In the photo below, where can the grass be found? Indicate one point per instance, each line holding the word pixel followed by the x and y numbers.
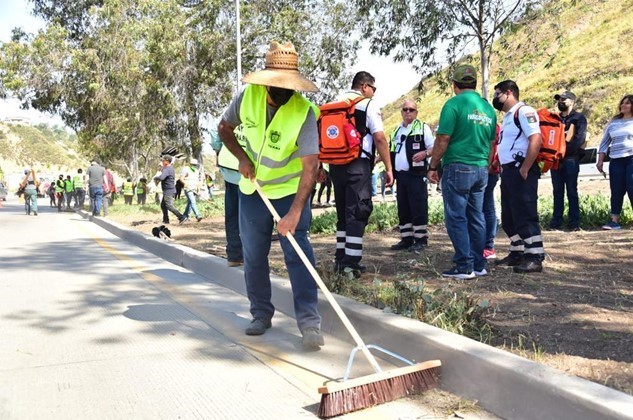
pixel 208 208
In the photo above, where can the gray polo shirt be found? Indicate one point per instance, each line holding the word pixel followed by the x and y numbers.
pixel 95 175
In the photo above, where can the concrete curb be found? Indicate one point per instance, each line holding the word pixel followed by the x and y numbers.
pixel 506 385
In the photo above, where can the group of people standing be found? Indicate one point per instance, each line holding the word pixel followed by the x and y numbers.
pixel 268 135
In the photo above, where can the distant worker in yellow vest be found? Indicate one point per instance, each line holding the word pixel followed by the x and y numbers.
pixel 128 191
pixel 60 186
pixel 69 191
pixel 141 191
pixel 79 182
pixel 281 154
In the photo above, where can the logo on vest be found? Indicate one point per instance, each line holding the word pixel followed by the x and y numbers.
pixel 332 132
pixel 275 136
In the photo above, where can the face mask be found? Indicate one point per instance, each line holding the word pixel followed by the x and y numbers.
pixel 497 104
pixel 562 106
pixel 280 96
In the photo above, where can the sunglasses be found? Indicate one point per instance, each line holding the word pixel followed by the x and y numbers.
pixel 372 87
pixel 409 110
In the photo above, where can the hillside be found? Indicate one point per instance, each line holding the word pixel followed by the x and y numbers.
pixel 50 150
pixel 580 45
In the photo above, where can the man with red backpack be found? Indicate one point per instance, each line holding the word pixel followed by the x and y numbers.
pixel 518 151
pixel 352 181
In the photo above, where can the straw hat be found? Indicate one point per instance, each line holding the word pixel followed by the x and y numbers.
pixel 281 70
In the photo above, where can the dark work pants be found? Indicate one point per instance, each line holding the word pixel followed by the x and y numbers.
pixel 168 205
pixel 519 211
pixel 352 193
pixel 232 222
pixel 566 177
pixel 413 206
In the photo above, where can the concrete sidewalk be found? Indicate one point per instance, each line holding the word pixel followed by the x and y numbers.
pixel 94 327
pixel 505 384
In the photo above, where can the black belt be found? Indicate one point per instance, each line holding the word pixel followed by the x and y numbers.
pixel 514 164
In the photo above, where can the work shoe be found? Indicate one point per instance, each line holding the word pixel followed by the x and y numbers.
pixel 611 226
pixel 417 246
pixel 258 326
pixel 403 244
pixel 312 339
pixel 456 273
pixel 511 260
pixel 529 266
pixel 481 273
pixel 34 213
pixel 198 219
pixel 235 263
pixel 490 254
pixel 183 220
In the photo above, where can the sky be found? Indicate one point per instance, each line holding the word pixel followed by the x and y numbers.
pixel 392 79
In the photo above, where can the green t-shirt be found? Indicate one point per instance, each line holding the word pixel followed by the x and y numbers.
pixel 471 123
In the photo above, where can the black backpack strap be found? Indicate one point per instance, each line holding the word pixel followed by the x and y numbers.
pixel 518 124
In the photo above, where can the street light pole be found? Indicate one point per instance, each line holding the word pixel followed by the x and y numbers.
pixel 239 46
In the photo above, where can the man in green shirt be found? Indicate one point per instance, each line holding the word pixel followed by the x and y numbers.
pixel 463 146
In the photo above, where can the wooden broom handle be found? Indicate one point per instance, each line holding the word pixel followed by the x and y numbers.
pixel 337 308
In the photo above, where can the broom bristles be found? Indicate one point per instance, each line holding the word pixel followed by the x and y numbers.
pixel 365 392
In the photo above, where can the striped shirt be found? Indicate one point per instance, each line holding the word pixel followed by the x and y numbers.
pixel 618 138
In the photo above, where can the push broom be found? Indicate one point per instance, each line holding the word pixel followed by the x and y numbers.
pixel 383 386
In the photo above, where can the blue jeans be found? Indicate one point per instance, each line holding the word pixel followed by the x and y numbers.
pixel 96 195
pixel 463 189
pixel 232 222
pixel 191 204
pixel 490 215
pixel 256 227
pixel 374 184
pixel 621 182
pixel 30 195
pixel 566 176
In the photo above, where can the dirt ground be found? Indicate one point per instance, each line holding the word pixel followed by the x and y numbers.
pixel 576 316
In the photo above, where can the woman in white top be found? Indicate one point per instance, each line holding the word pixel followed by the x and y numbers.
pixel 618 141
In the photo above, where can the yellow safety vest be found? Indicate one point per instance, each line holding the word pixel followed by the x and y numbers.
pixel 68 186
pixel 273 149
pixel 140 188
pixel 78 180
pixel 128 188
pixel 59 186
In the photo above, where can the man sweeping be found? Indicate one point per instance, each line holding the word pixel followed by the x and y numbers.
pixel 281 155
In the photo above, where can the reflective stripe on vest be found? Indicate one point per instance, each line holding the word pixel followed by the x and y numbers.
pixel 273 149
pixel 78 180
pixel 128 188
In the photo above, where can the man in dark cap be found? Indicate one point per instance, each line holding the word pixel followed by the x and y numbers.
pixel 463 148
pixel 167 182
pixel 566 176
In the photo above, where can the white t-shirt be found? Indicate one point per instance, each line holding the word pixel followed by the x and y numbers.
pixel 373 120
pixel 514 142
pixel 401 155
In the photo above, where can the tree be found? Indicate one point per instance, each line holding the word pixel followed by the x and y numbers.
pixel 132 76
pixel 417 31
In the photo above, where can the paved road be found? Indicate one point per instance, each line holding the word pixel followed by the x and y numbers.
pixel 94 328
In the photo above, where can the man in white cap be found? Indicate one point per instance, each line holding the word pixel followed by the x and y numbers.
pixel 190 178
pixel 281 154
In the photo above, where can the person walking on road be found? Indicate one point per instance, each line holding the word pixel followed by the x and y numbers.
pixel 281 154
pixel 167 181
pixel 69 192
pixel 463 145
pixel 96 179
pixel 29 184
pixel 80 191
pixel 59 192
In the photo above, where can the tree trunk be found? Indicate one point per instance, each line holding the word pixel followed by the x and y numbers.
pixel 485 70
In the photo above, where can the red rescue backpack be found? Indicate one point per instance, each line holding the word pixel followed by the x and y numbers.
pixel 553 136
pixel 340 138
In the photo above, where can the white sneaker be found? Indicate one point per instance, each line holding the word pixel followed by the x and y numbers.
pixel 481 273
